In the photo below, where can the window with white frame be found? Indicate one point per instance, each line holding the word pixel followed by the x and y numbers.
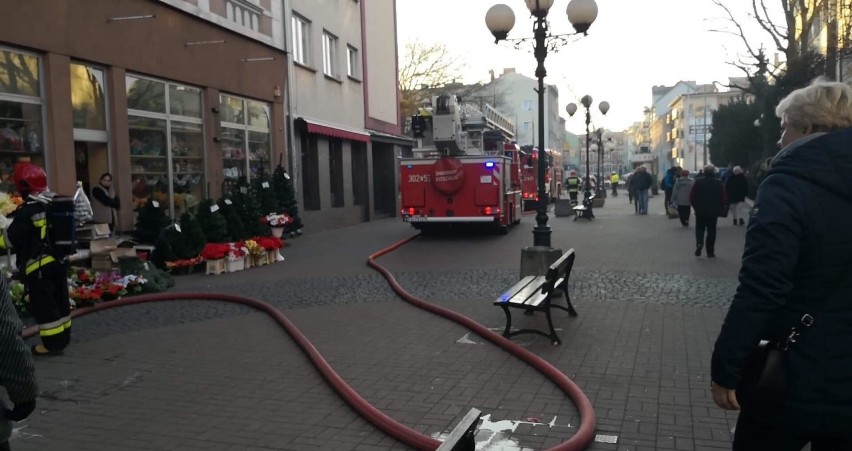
pixel 301 39
pixel 352 61
pixel 329 54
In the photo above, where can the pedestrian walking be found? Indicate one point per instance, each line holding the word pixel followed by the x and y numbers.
pixel 631 190
pixel 573 183
pixel 17 373
pixel 680 197
pixel 707 198
pixel 106 202
pixel 44 274
pixel 795 271
pixel 737 188
pixel 642 184
pixel 668 183
pixel 613 180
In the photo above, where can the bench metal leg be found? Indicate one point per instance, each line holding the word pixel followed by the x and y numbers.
pixel 554 339
pixel 571 311
pixel 508 320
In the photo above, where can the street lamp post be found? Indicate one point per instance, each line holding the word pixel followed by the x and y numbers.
pixel 500 19
pixel 571 108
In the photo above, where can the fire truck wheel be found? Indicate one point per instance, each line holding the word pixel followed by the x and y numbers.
pixel 500 228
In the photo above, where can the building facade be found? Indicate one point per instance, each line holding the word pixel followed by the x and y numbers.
pixel 182 99
pixel 519 101
pixel 344 110
pixel 171 104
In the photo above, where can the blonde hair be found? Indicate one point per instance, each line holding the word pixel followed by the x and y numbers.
pixel 822 106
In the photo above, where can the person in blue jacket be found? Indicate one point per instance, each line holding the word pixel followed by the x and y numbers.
pixel 798 261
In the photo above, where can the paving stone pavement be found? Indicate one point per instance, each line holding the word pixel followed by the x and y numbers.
pixel 212 375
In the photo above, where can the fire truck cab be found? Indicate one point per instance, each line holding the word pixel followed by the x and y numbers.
pixel 464 170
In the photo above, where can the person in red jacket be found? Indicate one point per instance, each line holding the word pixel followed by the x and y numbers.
pixel 707 198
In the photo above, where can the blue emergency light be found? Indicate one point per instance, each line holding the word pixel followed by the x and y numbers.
pixel 489 164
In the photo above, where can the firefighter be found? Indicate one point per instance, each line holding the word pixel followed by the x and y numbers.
pixel 573 183
pixel 613 180
pixel 43 274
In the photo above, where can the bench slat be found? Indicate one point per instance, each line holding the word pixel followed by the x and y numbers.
pixel 536 300
pixel 528 291
pixel 511 292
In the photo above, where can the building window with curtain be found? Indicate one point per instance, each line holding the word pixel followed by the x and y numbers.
pixel 245 138
pixel 21 131
pixel 166 134
pixel 352 62
pixel 301 36
pixel 329 55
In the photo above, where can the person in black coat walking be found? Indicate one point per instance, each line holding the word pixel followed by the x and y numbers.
pixel 17 373
pixel 797 261
pixel 737 189
pixel 707 198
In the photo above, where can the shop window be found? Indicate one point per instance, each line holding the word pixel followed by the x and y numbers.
pixel 21 136
pixel 146 95
pixel 19 73
pixel 245 139
pixel 166 144
pixel 88 105
pixel 335 171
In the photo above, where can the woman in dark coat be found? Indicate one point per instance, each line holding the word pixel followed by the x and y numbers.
pixel 737 189
pixel 797 261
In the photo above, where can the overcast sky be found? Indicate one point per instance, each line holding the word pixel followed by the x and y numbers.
pixel 632 46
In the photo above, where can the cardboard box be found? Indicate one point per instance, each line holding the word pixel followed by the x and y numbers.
pixel 106 252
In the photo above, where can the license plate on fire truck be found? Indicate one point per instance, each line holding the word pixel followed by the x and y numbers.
pixel 417 218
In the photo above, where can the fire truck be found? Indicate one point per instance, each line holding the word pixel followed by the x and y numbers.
pixel 464 168
pixel 553 176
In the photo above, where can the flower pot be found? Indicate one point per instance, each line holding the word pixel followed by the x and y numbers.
pixel 216 266
pixel 277 232
pixel 235 265
pixel 260 259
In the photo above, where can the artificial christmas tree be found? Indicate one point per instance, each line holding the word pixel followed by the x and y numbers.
pixel 163 251
pixel 213 224
pixel 287 203
pixel 248 209
pixel 267 198
pixel 236 229
pixel 150 222
pixel 191 239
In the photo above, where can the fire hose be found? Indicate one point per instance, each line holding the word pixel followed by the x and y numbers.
pixel 388 425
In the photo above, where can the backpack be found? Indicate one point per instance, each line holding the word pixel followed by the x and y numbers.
pixel 61 225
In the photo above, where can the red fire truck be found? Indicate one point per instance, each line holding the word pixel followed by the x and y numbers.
pixel 462 171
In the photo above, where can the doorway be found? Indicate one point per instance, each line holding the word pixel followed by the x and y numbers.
pixel 91 160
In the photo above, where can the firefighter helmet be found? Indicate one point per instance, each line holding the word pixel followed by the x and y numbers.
pixel 29 178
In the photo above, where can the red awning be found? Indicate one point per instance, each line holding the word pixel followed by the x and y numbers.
pixel 336 132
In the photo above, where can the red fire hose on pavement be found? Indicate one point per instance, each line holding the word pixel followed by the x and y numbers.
pixel 385 423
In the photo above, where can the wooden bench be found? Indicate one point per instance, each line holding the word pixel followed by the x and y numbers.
pixel 535 293
pixel 584 211
pixel 463 436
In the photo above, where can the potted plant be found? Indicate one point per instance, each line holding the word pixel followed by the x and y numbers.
pixel 256 252
pixel 277 222
pixel 235 259
pixel 214 255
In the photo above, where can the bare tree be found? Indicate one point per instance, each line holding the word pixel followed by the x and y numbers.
pixel 424 68
pixel 788 38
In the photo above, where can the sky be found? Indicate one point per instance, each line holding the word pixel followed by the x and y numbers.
pixel 632 46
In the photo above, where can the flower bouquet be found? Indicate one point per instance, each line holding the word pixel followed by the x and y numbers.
pixel 22 303
pixel 256 252
pixel 277 222
pixel 214 254
pixel 271 244
pixel 235 259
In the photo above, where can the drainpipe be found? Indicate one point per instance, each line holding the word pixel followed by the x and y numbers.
pixel 294 158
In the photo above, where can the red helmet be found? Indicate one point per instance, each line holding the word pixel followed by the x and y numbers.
pixel 29 178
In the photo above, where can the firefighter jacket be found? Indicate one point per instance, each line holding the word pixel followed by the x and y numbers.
pixel 573 184
pixel 17 373
pixel 28 236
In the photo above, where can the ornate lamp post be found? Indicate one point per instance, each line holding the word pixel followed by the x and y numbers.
pixel 500 19
pixel 571 108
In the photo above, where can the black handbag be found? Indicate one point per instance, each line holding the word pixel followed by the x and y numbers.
pixel 763 387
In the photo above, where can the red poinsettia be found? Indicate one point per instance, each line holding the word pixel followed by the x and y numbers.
pixel 215 251
pixel 269 243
